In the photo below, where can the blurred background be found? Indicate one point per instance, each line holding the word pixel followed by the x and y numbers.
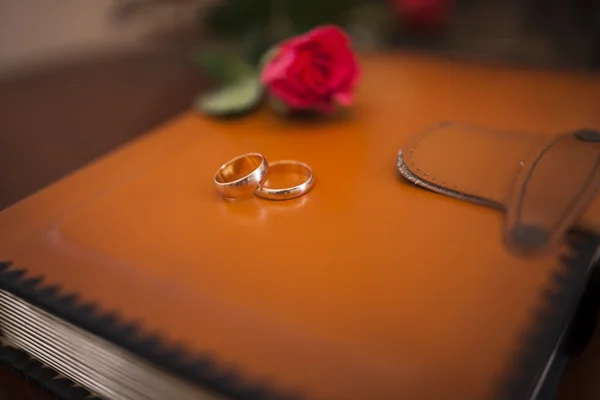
pixel 539 32
pixel 78 78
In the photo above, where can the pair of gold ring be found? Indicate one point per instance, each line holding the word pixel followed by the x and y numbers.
pixel 251 173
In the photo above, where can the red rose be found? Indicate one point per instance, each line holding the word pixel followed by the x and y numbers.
pixel 313 71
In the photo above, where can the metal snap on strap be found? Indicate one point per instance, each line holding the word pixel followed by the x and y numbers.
pixel 587 135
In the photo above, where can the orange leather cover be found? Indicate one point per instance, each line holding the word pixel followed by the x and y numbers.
pixel 367 287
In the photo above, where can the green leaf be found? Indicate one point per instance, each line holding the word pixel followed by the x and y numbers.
pixel 224 65
pixel 236 99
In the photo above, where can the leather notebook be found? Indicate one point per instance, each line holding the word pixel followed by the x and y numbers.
pixel 440 254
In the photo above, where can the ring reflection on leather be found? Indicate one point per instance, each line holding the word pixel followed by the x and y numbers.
pixel 241 175
pixel 286 180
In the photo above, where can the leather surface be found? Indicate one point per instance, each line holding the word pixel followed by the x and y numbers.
pixel 367 287
pixel 543 183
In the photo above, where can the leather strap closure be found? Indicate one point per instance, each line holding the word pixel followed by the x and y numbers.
pixel 551 192
pixel 543 183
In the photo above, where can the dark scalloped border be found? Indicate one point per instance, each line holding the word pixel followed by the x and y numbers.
pixel 202 370
pixel 551 320
pixel 47 378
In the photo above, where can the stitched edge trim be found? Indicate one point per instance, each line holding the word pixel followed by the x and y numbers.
pixel 550 321
pixel 414 144
pixel 537 343
pixel 47 378
pixel 202 370
pixel 406 173
pixel 558 301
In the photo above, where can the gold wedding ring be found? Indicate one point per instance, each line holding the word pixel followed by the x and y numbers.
pixel 286 180
pixel 241 176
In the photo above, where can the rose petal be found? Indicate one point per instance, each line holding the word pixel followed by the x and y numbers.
pixel 329 33
pixel 314 81
pixel 288 92
pixel 352 76
pixel 277 67
pixel 302 61
pixel 314 70
pixel 344 98
pixel 342 60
